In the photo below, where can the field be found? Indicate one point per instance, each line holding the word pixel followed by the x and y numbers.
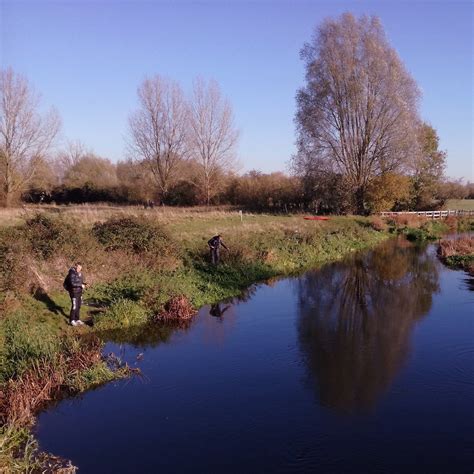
pixel 460 204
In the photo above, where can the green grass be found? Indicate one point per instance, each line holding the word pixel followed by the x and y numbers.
pixel 264 248
pixel 18 450
pixel 460 204
pixel 261 247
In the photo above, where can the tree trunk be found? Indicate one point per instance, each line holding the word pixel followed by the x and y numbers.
pixel 208 192
pixel 360 201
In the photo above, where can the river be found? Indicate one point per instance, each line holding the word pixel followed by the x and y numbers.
pixel 363 366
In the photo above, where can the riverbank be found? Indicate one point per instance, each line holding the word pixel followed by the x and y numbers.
pixel 136 262
pixel 458 253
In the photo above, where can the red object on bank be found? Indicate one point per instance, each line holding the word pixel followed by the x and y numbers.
pixel 316 218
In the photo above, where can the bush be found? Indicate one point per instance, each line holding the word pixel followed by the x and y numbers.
pixel 132 235
pixel 48 235
pixel 456 247
pixel 378 224
pixel 13 272
pixel 407 220
pixel 177 308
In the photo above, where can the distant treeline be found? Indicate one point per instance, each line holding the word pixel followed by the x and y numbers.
pixel 92 179
pixel 361 144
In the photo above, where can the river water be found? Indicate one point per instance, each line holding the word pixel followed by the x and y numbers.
pixel 366 365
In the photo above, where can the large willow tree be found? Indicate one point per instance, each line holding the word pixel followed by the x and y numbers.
pixel 357 114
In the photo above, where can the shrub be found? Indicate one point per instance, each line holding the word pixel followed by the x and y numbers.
pixel 178 308
pixel 378 224
pixel 465 224
pixel 132 235
pixel 48 235
pixel 451 222
pixel 407 220
pixel 463 246
pixel 13 272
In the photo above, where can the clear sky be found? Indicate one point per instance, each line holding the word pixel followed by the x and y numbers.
pixel 88 57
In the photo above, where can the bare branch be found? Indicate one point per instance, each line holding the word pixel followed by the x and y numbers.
pixel 212 136
pixel 25 135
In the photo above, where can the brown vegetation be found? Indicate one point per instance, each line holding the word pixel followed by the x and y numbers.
pixel 378 224
pixel 450 247
pixel 408 220
pixel 45 380
pixel 458 253
pixel 178 308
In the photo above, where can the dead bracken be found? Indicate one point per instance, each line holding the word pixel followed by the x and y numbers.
pixel 178 308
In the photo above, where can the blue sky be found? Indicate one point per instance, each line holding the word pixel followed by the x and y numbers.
pixel 88 57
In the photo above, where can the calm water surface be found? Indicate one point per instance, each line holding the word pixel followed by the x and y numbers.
pixel 366 365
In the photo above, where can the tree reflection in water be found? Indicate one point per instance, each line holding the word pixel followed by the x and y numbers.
pixel 355 320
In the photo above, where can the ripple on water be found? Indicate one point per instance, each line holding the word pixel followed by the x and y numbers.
pixel 456 373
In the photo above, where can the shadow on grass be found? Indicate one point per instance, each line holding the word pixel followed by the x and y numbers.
pixel 238 279
pixel 43 297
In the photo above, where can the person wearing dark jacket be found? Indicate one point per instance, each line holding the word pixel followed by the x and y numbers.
pixel 74 284
pixel 214 246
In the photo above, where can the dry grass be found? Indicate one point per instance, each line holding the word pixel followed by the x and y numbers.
pixel 378 224
pixel 408 220
pixel 88 214
pixel 24 396
pixel 460 204
pixel 458 253
pixel 178 308
pixel 456 247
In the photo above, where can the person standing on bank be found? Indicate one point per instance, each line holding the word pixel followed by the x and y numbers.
pixel 214 246
pixel 74 284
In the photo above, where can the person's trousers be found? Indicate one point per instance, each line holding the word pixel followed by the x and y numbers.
pixel 76 300
pixel 215 256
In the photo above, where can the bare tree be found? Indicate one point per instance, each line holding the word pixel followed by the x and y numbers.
pixel 70 155
pixel 25 135
pixel 212 135
pixel 158 129
pixel 357 114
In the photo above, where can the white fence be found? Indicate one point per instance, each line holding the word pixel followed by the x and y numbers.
pixel 431 214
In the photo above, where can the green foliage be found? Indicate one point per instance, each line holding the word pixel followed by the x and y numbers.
pixel 465 224
pixel 122 314
pixel 94 376
pixel 48 235
pixel 429 168
pixel 132 235
pixel 416 228
pixel 388 191
pixel 12 261
pixel 460 261
pixel 24 344
pixel 131 286
pixel 18 450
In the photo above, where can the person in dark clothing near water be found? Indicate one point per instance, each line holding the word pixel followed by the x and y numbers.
pixel 217 310
pixel 74 284
pixel 214 246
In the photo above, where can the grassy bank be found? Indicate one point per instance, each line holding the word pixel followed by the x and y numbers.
pixel 142 266
pixel 458 253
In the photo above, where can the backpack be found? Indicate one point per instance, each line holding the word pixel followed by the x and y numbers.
pixel 67 283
